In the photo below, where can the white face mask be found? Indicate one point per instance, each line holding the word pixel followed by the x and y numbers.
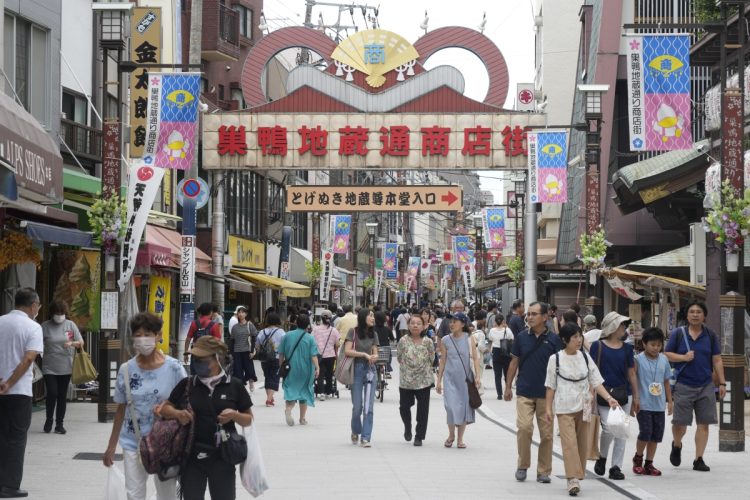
pixel 144 345
pixel 58 318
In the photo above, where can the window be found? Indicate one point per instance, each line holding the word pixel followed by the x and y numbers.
pixel 245 210
pixel 74 107
pixel 26 65
pixel 236 95
pixel 221 92
pixel 275 202
pixel 246 20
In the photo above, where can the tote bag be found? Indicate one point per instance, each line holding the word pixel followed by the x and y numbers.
pixel 344 364
pixel 83 368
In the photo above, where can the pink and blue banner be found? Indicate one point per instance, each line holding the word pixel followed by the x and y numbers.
pixel 411 272
pixel 461 249
pixel 172 117
pixel 658 69
pixel 390 261
pixel 548 162
pixel 342 226
pixel 493 220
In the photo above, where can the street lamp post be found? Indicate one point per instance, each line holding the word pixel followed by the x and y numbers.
pixel 593 115
pixel 479 252
pixel 520 194
pixel 372 227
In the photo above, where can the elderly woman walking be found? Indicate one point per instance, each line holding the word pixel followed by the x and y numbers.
pixel 300 350
pixel 416 353
pixel 458 355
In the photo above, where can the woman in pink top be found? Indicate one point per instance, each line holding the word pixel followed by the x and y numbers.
pixel 327 338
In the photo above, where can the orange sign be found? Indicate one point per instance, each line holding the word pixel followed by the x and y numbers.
pixel 391 198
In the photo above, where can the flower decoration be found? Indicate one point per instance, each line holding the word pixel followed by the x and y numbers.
pixel 17 248
pixel 515 269
pixel 368 283
pixel 107 219
pixel 593 249
pixel 729 219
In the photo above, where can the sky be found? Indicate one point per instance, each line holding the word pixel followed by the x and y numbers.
pixel 510 25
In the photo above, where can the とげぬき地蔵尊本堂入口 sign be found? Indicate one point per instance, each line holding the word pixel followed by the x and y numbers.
pixel 391 198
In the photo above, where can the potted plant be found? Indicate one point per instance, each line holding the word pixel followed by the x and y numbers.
pixel 107 219
pixel 515 270
pixel 313 270
pixel 729 221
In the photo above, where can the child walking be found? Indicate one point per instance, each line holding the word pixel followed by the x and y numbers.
pixel 653 372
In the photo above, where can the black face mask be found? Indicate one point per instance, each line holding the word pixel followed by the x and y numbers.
pixel 202 368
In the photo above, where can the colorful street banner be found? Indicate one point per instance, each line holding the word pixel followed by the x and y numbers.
pixel 424 270
pixel 462 251
pixel 659 109
pixel 390 260
pixel 326 274
pixel 342 226
pixel 159 293
pixel 448 272
pixel 411 273
pixel 493 220
pixel 143 184
pixel 548 162
pixel 468 273
pixel 172 119
pixel 378 283
pixel 77 276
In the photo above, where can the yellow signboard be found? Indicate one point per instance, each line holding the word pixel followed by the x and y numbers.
pixel 390 198
pixel 159 293
pixel 246 253
pixel 145 48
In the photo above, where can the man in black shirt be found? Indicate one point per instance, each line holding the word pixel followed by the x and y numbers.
pixel 515 321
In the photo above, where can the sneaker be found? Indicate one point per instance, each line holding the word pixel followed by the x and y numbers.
pixel 573 487
pixel 616 473
pixel 675 456
pixel 599 466
pixel 543 478
pixel 321 397
pixel 698 464
pixel 365 444
pixel 650 470
pixel 638 465
pixel 355 439
pixel 520 474
pixel 252 387
pixel 48 426
pixel 269 403
pixel 407 434
pixel 288 417
pixel 59 429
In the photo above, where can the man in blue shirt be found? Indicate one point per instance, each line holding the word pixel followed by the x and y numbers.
pixel 531 351
pixel 515 321
pixel 696 353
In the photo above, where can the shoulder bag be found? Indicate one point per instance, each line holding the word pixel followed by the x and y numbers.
pixel 620 393
pixel 83 368
pixel 524 357
pixel 287 367
pixel 475 400
pixel 344 364
pixel 325 346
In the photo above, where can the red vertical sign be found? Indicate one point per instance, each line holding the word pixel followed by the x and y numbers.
pixel 731 143
pixel 592 200
pixel 111 180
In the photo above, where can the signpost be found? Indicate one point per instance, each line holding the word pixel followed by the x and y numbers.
pixel 391 198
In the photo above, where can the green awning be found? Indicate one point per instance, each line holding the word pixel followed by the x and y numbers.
pixel 78 181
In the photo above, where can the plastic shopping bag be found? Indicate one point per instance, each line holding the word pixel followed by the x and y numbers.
pixel 253 471
pixel 618 423
pixel 115 485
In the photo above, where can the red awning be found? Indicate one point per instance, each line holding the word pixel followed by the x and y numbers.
pixel 162 248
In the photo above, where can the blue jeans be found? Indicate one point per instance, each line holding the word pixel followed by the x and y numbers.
pixel 360 386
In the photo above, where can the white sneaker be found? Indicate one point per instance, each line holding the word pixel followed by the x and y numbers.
pixel 252 387
pixel 321 397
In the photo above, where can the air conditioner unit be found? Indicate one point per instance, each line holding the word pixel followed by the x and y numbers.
pixel 697 254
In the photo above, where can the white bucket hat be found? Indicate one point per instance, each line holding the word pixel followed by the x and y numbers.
pixel 612 322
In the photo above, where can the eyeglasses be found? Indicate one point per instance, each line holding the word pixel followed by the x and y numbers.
pixel 533 314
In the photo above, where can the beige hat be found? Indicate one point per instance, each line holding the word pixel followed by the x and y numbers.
pixel 612 322
pixel 208 346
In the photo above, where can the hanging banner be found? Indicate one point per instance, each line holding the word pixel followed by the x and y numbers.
pixel 143 184
pixel 172 119
pixel 378 284
pixel 448 272
pixel 443 286
pixel 548 166
pixel 342 225
pixel 326 274
pixel 411 273
pixel 493 220
pixel 659 112
pixel 286 249
pixel 390 261
pixel 464 255
pixel 424 270
pixel 159 300
pixel 467 272
pixel 145 48
pixel 622 288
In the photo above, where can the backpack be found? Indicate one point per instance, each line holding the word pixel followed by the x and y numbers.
pixel 557 368
pixel 262 351
pixel 202 332
pixel 167 447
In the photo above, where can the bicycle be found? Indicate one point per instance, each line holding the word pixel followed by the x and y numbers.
pixel 383 356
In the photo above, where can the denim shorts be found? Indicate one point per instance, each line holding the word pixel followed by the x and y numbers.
pixel 651 425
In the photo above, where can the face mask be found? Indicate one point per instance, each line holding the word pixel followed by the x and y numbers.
pixel 202 368
pixel 144 345
pixel 58 318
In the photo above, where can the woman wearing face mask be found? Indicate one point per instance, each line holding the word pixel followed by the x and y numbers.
pixel 61 339
pixel 143 383
pixel 218 402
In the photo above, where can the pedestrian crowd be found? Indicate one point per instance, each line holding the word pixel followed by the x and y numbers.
pixel 554 365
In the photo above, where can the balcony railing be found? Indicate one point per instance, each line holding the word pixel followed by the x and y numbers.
pixel 221 32
pixel 84 141
pixel 229 25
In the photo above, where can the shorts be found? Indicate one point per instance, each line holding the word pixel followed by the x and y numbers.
pixel 651 425
pixel 687 399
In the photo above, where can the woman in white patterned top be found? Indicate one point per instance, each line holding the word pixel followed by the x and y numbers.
pixel 571 375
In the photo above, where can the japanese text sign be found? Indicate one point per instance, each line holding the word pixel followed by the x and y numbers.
pixel 145 48
pixel 159 295
pixel 246 253
pixel 548 161
pixel 390 198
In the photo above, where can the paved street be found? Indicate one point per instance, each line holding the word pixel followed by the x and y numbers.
pixel 318 461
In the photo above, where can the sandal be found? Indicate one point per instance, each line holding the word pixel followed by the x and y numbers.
pixel 302 421
pixel 461 446
pixel 448 443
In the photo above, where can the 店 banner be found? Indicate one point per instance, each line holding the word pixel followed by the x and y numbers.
pixel 548 162
pixel 390 261
pixel 659 111
pixel 342 225
pixel 143 184
pixel 326 274
pixel 159 294
pixel 172 119
pixel 493 220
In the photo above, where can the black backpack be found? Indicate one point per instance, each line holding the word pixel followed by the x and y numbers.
pixel 202 332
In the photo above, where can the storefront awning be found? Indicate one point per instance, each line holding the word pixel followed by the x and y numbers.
pixel 679 257
pixel 655 281
pixel 288 288
pixel 60 235
pixel 162 247
pixel 239 284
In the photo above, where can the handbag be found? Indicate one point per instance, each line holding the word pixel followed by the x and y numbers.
pixel 475 400
pixel 233 448
pixel 83 368
pixel 593 438
pixel 344 364
pixel 619 393
pixel 287 367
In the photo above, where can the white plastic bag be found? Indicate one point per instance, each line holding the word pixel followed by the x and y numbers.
pixel 618 423
pixel 253 471
pixel 115 484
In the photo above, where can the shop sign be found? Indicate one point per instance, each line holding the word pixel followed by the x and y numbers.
pixel 365 140
pixel 111 178
pixel 187 268
pixel 246 253
pixel 159 303
pixel 374 198
pixel 145 48
pixel 326 274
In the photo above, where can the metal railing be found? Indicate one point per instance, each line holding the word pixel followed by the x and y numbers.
pixel 84 141
pixel 229 27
